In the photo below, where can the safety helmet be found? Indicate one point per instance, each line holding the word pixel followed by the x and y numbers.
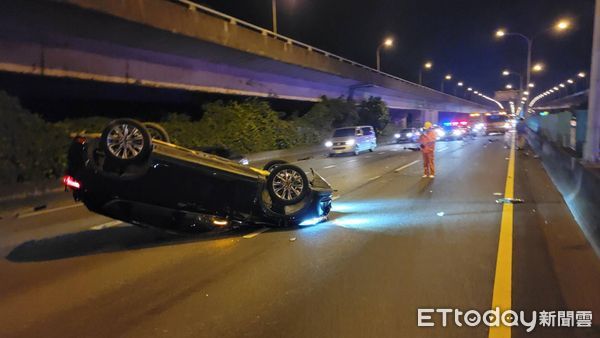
pixel 427 125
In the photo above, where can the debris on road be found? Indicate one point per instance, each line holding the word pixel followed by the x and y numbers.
pixel 509 201
pixel 292 239
pixel 497 194
pixel 39 207
pixel 441 213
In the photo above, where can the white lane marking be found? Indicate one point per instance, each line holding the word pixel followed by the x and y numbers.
pixel 106 225
pixel 407 165
pixel 47 211
pixel 329 166
pixel 256 233
pixel 374 178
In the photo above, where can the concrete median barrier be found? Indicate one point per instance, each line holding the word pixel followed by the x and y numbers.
pixel 578 184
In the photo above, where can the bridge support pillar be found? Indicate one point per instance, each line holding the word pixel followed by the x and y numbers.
pixel 429 115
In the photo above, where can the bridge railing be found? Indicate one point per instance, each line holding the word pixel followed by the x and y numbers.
pixel 194 6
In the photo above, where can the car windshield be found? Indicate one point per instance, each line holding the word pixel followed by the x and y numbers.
pixel 344 132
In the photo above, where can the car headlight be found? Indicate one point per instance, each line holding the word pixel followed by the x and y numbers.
pixel 409 134
pixel 350 142
pixel 396 135
pixel 329 144
pixel 441 133
pixel 244 161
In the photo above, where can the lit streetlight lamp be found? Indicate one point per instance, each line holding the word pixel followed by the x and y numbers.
pixel 509 86
pixel 560 26
pixel 387 43
pixel 448 77
pixel 427 66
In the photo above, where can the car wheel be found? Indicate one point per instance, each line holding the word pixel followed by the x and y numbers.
pixel 371 150
pixel 356 152
pixel 157 132
pixel 273 164
pixel 287 184
pixel 126 140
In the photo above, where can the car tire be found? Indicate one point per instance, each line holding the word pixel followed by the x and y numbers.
pixel 371 150
pixel 157 132
pixel 273 164
pixel 287 184
pixel 113 139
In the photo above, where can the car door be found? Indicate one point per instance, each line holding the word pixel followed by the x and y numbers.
pixel 360 139
pixel 370 141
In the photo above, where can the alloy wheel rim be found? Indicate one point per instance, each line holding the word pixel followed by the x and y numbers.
pixel 288 184
pixel 125 141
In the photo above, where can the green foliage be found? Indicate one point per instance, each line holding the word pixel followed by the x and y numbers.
pixel 374 112
pixel 30 148
pixel 331 113
pixel 246 126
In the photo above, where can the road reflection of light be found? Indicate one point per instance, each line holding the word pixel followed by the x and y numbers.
pixel 372 206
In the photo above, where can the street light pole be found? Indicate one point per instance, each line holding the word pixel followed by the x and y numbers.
pixel 389 42
pixel 274 10
pixel 378 57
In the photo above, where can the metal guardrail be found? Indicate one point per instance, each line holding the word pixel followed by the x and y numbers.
pixel 235 21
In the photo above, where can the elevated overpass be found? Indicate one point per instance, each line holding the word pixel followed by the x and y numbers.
pixel 180 45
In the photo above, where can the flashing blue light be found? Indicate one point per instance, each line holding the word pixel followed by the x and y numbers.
pixel 447 124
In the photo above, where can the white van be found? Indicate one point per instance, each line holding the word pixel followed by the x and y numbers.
pixel 352 140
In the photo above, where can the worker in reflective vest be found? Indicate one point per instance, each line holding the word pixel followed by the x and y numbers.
pixel 427 144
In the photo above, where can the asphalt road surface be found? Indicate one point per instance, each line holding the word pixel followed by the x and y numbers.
pixel 395 243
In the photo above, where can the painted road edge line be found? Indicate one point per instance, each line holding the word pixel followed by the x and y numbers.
pixel 502 294
pixel 47 211
pixel 256 233
pixel 406 166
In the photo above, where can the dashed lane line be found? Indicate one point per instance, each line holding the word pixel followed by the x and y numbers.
pixel 255 233
pixel 407 165
pixel 107 225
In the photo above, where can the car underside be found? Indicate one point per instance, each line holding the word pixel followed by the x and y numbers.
pixel 126 174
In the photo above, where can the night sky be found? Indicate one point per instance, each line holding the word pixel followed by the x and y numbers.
pixel 458 36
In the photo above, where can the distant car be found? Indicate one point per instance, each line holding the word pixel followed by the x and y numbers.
pixel 124 173
pixel 407 135
pixel 496 124
pixel 352 140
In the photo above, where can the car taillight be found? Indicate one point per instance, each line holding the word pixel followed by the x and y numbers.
pixel 70 182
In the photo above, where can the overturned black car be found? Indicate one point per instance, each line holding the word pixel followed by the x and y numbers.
pixel 129 174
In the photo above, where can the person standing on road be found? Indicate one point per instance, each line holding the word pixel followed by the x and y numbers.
pixel 427 144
